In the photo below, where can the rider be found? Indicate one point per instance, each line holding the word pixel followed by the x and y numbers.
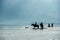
pixel 35 23
pixel 41 24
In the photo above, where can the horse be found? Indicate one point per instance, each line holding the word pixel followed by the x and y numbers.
pixel 35 25
pixel 41 25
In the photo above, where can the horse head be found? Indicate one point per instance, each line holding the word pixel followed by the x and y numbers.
pixel 32 24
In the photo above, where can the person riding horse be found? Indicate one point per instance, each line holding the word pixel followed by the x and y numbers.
pixel 35 25
pixel 41 25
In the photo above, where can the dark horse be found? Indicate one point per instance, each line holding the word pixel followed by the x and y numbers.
pixel 42 26
pixel 35 25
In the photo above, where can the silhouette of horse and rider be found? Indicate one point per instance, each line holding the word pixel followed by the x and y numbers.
pixel 36 25
pixel 41 25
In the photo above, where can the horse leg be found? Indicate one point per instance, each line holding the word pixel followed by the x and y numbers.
pixel 38 27
pixel 34 27
pixel 41 28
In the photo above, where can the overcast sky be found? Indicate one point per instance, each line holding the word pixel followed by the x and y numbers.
pixel 21 12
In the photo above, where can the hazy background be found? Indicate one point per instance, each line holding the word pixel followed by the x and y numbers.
pixel 24 12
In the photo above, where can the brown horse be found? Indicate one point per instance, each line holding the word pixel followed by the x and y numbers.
pixel 35 25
